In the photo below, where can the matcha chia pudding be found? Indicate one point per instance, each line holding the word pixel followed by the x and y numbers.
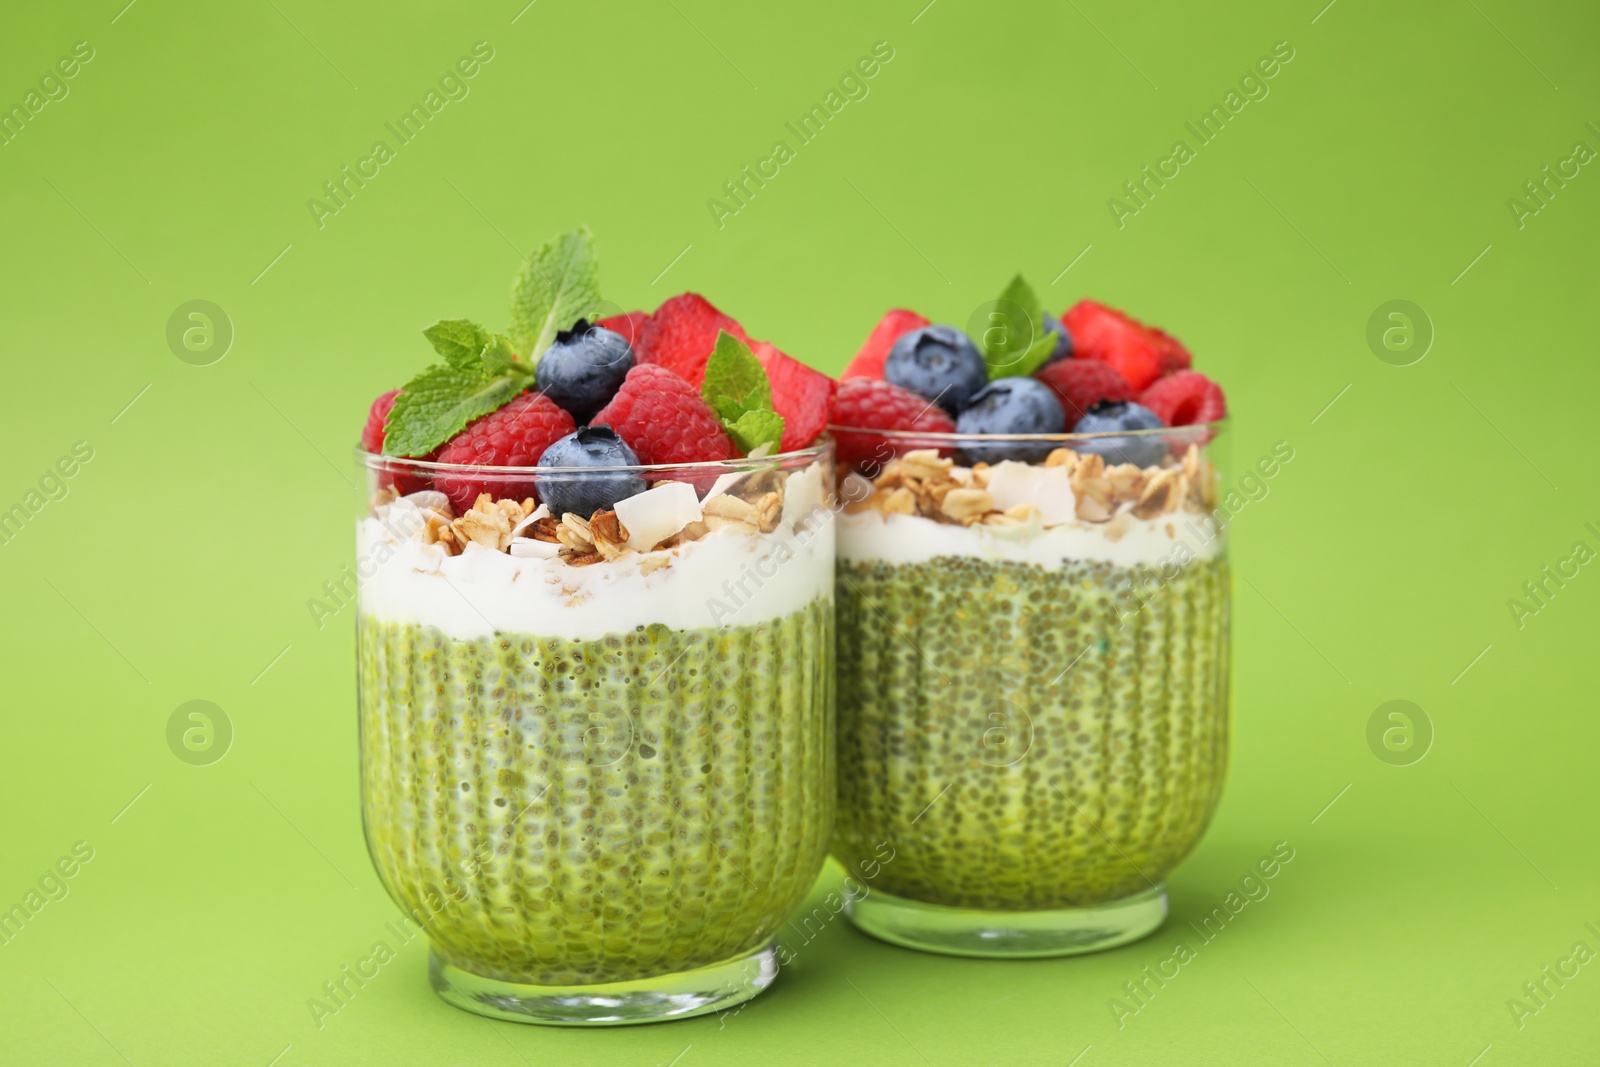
pixel 595 641
pixel 1033 626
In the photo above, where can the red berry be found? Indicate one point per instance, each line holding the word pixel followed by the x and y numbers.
pixel 1107 335
pixel 873 404
pixel 513 436
pixel 372 432
pixel 391 473
pixel 869 361
pixel 681 334
pixel 629 325
pixel 1186 398
pixel 1174 357
pixel 801 395
pixel 663 419
pixel 1080 383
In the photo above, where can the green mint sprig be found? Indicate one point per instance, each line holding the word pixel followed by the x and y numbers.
pixel 737 389
pixel 556 286
pixel 483 371
pixel 1016 344
pixel 479 374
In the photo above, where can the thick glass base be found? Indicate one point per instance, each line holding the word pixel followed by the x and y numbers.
pixel 1009 934
pixel 647 1000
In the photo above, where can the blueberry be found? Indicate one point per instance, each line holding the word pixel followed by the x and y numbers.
pixel 582 370
pixel 938 363
pixel 1063 349
pixel 1011 405
pixel 1111 416
pixel 584 494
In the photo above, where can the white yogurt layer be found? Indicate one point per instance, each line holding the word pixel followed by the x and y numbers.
pixel 901 539
pixel 726 578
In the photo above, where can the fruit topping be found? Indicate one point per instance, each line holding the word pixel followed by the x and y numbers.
pixel 894 325
pixel 664 419
pixel 516 435
pixel 377 415
pixel 1063 349
pixel 1186 398
pixel 938 363
pixel 1011 406
pixel 1120 416
pixel 799 393
pixel 1107 335
pixel 585 492
pixel 871 404
pixel 1080 383
pixel 681 334
pixel 582 369
pixel 629 325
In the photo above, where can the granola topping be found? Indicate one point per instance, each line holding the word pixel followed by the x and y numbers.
pixel 924 484
pixel 1069 507
pixel 740 503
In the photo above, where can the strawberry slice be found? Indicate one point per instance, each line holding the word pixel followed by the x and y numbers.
pixel 629 325
pixel 1139 353
pixel 869 361
pixel 681 334
pixel 1174 357
pixel 801 395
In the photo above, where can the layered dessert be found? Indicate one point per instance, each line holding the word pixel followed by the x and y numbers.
pixel 1033 599
pixel 595 646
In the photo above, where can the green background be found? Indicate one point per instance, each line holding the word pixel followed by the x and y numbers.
pixel 1379 566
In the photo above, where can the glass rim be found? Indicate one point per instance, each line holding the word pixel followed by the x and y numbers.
pixel 388 464
pixel 942 438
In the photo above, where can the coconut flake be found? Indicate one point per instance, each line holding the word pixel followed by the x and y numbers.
pixel 802 495
pixel 723 483
pixel 429 500
pixel 540 512
pixel 656 514
pixel 1046 488
pixel 529 548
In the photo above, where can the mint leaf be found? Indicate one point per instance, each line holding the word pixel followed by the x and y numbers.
pixel 478 376
pixel 737 388
pixel 459 341
pixel 755 428
pixel 555 286
pixel 735 373
pixel 498 356
pixel 1014 332
pixel 1035 357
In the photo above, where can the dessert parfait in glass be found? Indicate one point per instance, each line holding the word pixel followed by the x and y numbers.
pixel 1033 617
pixel 595 641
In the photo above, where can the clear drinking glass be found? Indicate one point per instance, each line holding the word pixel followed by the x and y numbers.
pixel 1033 681
pixel 598 774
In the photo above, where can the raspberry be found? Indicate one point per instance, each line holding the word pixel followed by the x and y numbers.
pixel 873 404
pixel 1105 334
pixel 372 436
pixel 869 361
pixel 681 334
pixel 514 436
pixel 1080 383
pixel 1186 398
pixel 801 395
pixel 372 432
pixel 663 419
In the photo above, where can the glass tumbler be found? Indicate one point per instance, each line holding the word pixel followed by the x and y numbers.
pixel 597 759
pixel 1033 681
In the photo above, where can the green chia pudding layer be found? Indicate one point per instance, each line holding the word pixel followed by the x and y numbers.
pixel 1028 736
pixel 564 812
